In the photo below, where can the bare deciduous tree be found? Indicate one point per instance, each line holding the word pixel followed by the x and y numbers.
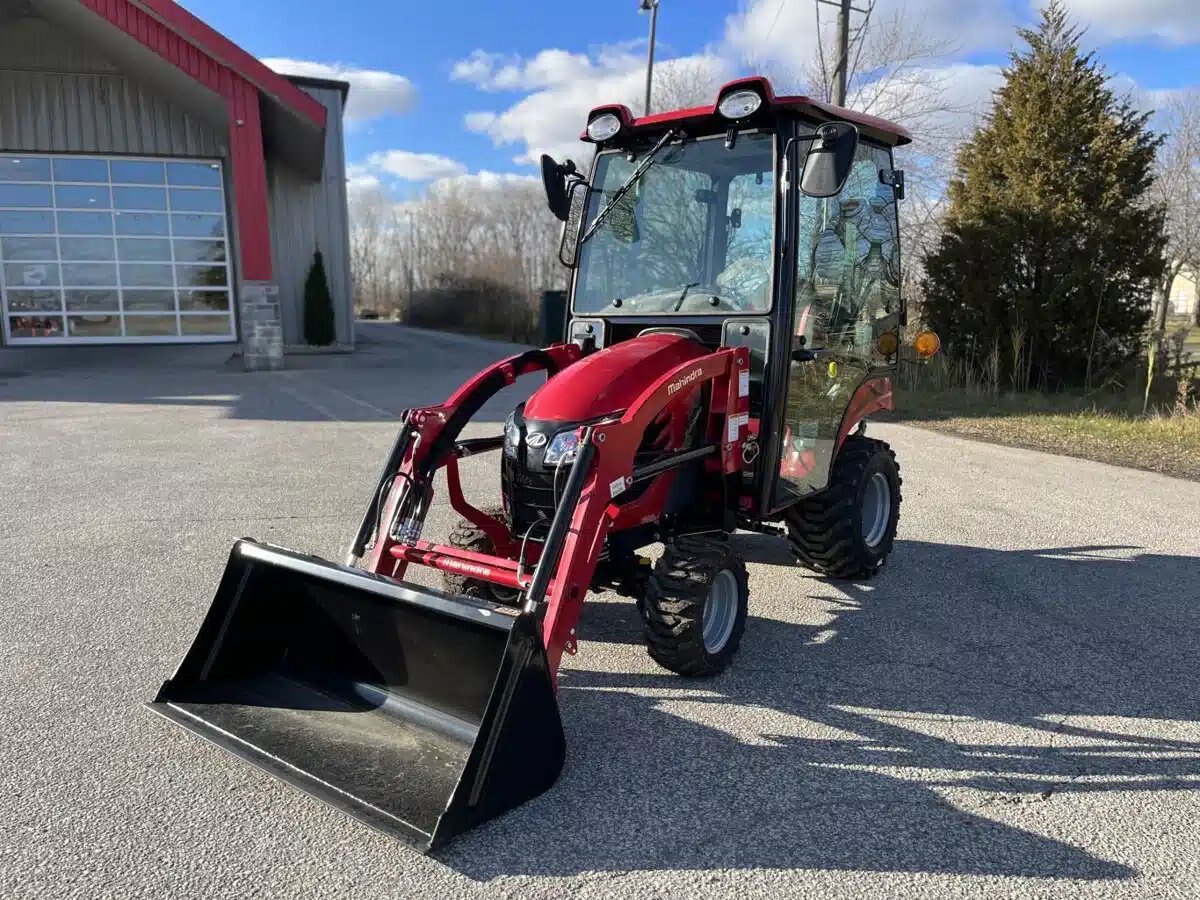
pixel 892 74
pixel 1177 188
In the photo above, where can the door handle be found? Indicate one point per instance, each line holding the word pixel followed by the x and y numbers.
pixel 803 355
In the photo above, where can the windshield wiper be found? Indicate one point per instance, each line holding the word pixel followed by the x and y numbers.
pixel 642 168
pixel 683 296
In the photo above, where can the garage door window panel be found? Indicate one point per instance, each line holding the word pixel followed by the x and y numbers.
pixel 31 249
pixel 148 301
pixel 94 326
pixel 92 300
pixel 137 172
pixel 33 196
pixel 24 168
pixel 85 223
pixel 80 170
pixel 82 196
pixel 34 301
pixel 191 225
pixel 86 249
pixel 35 326
pixel 96 249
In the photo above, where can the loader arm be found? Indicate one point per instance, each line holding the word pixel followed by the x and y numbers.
pixel 555 588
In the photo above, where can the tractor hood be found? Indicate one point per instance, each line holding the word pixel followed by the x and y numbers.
pixel 610 379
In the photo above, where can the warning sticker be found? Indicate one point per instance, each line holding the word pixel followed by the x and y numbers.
pixel 617 486
pixel 743 384
pixel 734 425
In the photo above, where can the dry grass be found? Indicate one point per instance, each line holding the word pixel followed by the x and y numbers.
pixel 1164 443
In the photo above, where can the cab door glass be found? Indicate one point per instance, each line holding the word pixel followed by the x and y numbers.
pixel 847 296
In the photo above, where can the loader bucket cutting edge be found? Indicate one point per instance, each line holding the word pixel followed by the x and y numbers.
pixel 418 713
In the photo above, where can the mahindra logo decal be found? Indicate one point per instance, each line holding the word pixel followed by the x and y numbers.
pixel 676 386
pixel 536 439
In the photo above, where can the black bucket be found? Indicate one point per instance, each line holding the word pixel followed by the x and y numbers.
pixel 419 713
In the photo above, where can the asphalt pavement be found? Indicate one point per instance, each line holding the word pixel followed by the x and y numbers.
pixel 1011 710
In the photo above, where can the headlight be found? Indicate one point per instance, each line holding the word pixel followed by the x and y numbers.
pixel 739 104
pixel 512 436
pixel 603 127
pixel 562 449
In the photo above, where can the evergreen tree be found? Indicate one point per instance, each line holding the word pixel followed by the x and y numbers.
pixel 1050 232
pixel 318 305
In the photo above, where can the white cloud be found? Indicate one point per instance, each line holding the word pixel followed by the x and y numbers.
pixel 497 72
pixel 1172 21
pixel 483 180
pixel 361 180
pixel 562 87
pixel 409 166
pixel 767 32
pixel 373 92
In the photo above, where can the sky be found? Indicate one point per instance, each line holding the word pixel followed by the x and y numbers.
pixel 477 89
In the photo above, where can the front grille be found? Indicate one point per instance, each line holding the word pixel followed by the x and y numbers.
pixel 530 496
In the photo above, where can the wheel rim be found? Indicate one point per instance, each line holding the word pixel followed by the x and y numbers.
pixel 876 509
pixel 720 611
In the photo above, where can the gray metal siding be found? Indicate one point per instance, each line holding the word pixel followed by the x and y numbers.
pixel 33 44
pixel 53 113
pixel 308 215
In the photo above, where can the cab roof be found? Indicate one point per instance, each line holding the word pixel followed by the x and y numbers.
pixel 708 118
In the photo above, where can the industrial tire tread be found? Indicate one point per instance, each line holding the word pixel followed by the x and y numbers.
pixel 673 605
pixel 467 535
pixel 825 531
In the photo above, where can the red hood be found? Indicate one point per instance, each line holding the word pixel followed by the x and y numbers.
pixel 610 379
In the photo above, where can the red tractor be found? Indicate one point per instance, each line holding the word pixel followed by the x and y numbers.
pixel 735 316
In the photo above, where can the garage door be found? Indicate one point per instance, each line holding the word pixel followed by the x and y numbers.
pixel 113 250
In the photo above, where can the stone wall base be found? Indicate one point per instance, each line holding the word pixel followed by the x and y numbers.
pixel 262 326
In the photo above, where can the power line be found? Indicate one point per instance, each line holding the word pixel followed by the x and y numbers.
pixel 848 38
pixel 774 21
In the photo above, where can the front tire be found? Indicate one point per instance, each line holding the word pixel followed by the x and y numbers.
pixel 848 529
pixel 695 606
pixel 469 536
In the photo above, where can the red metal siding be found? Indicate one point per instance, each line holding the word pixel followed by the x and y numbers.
pixel 245 125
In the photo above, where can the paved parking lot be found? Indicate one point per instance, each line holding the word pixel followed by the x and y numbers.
pixel 1012 709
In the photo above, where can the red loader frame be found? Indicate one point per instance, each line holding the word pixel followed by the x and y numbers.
pixel 563 566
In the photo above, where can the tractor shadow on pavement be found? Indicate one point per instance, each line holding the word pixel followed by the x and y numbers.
pixel 888 726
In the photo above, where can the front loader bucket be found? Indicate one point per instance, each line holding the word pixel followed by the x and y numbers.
pixel 416 712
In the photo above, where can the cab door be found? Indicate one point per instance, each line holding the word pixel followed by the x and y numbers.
pixel 847 294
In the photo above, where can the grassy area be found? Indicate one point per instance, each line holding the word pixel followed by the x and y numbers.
pixel 1104 430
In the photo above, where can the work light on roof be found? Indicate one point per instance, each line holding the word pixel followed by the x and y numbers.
pixel 603 127
pixel 740 104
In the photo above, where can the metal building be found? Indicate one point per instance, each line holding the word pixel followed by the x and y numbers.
pixel 160 185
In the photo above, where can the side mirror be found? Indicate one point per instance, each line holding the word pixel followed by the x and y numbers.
pixel 554 180
pixel 575 200
pixel 829 160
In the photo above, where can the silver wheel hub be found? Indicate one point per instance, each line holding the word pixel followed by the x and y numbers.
pixel 720 611
pixel 876 509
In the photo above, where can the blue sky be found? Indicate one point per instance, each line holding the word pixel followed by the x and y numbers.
pixel 456 89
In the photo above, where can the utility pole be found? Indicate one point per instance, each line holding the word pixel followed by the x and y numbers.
pixel 843 51
pixel 841 68
pixel 650 6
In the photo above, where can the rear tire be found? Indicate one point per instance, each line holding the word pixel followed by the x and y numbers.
pixel 695 606
pixel 469 536
pixel 848 529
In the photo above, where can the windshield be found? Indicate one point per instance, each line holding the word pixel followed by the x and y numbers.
pixel 693 235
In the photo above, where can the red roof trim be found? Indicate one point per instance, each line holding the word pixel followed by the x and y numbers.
pixel 693 113
pixel 850 115
pixel 223 50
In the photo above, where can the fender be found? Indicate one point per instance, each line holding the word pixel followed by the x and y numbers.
pixel 874 394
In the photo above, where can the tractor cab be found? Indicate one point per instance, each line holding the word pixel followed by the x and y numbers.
pixel 763 222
